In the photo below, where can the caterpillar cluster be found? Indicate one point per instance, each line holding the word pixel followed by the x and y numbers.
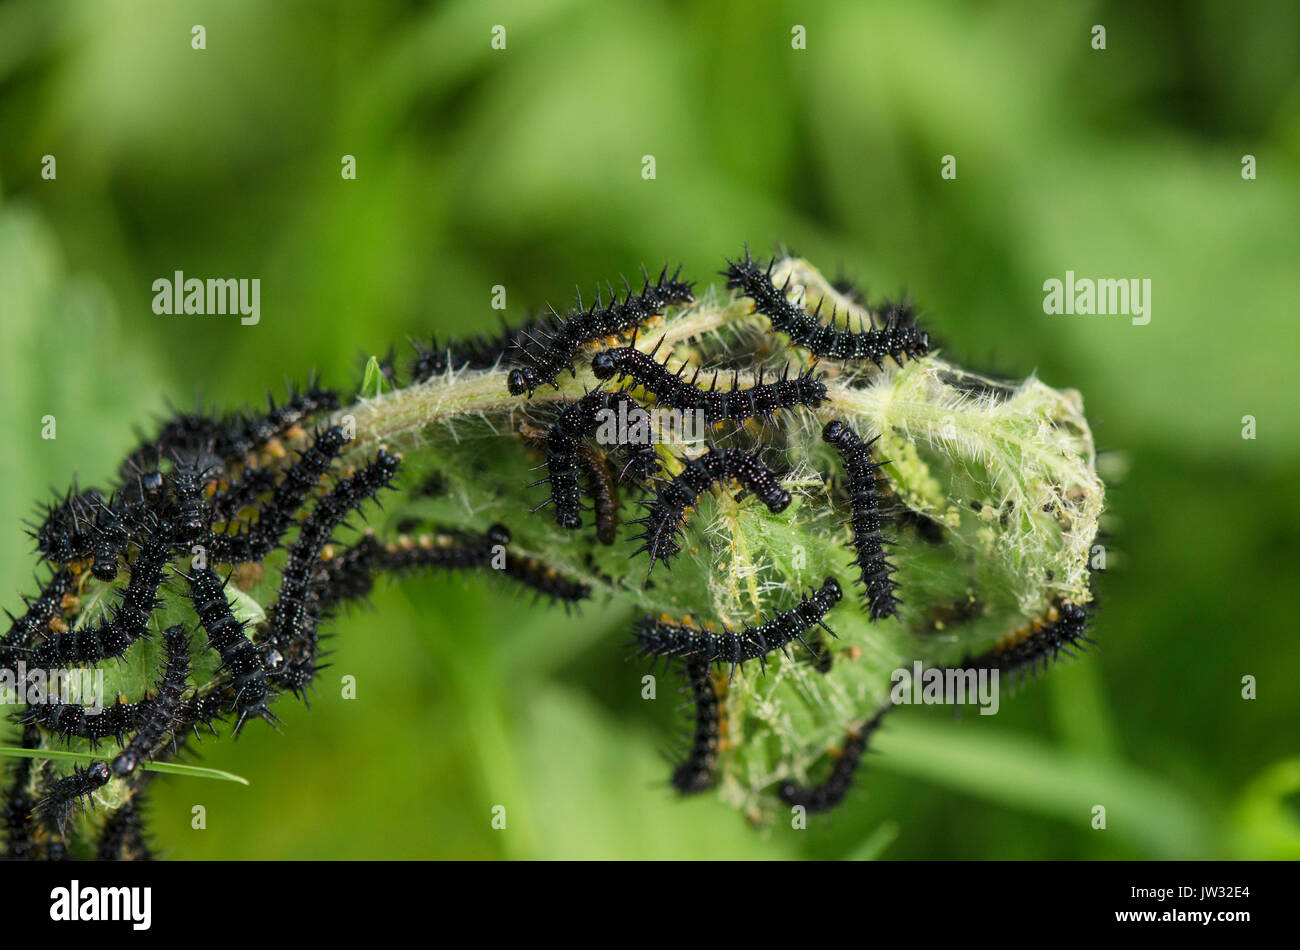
pixel 222 493
pixel 875 571
pixel 666 514
pixel 151 518
pixel 288 496
pixel 897 339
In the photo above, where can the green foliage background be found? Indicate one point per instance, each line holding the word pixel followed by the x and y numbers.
pixel 522 167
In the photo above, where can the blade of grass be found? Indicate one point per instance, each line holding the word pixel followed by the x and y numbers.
pixel 873 845
pixel 170 768
pixel 1019 771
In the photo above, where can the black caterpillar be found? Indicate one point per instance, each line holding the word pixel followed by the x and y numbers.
pixel 737 647
pixel 602 483
pixel 666 515
pixel 565 441
pixel 293 619
pixel 698 771
pixel 604 492
pixel 67 529
pixel 187 513
pixel 186 435
pixel 1063 631
pixel 545 580
pixel 276 515
pixel 674 391
pixel 123 837
pixel 90 645
pixel 551 350
pixel 824 797
pixel 35 619
pixel 448 550
pixel 240 660
pixel 68 721
pixel 479 352
pixel 874 568
pixel 162 706
pixel 64 795
pixel 18 804
pixel 115 524
pixel 898 338
pixel 464 550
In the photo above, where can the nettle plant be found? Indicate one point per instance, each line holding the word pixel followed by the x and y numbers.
pixel 797 495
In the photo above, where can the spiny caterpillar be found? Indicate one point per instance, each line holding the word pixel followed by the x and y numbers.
pixel 549 351
pixel 68 721
pixel 831 791
pixel 89 645
pixel 1040 643
pixel 231 439
pixel 62 796
pixel 712 405
pixel 40 611
pixel 666 515
pixel 737 647
pixel 898 338
pixel 546 581
pixel 566 459
pixel 159 718
pixel 276 515
pixel 239 658
pixel 457 550
pixel 697 772
pixel 480 352
pixel 453 550
pixel 293 637
pixel 874 569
